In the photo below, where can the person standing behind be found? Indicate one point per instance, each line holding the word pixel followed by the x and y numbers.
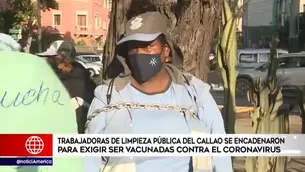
pixel 34 101
pixel 76 79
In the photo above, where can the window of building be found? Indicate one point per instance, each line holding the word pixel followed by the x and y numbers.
pixel 104 25
pixel 100 22
pixel 56 19
pixel 82 21
pixel 96 21
pixel 107 4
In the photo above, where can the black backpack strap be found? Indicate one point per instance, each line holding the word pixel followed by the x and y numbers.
pixel 188 83
pixel 190 93
pixel 118 82
pixel 109 91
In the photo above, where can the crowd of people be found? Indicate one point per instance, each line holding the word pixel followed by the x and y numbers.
pixel 150 78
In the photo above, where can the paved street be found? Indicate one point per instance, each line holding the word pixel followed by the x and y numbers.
pixel 240 100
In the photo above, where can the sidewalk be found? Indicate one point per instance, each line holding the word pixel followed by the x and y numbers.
pixel 240 109
pixel 243 126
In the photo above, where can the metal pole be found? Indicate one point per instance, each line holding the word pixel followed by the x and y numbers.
pixel 39 26
pixel 293 27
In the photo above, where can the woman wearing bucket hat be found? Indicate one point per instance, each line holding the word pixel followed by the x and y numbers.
pixel 155 84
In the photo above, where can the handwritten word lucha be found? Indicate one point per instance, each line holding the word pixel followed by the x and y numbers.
pixel 42 94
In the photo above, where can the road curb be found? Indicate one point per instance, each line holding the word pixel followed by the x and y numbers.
pixel 240 109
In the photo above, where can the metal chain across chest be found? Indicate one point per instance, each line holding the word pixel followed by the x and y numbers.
pixel 126 105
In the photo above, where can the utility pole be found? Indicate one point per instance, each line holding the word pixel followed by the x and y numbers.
pixel 293 46
pixel 39 26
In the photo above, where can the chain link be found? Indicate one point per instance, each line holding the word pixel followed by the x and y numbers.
pixel 127 105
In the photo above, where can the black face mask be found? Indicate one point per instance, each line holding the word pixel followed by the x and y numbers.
pixel 144 66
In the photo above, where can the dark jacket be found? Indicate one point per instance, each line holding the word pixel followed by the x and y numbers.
pixel 79 84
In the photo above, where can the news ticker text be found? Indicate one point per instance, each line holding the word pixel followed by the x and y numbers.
pixel 178 145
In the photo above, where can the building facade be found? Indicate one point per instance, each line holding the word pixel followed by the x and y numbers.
pixel 257 22
pixel 263 17
pixel 84 21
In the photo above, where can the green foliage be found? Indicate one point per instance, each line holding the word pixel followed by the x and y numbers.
pixel 81 43
pixel 49 4
pixel 6 21
pixel 27 10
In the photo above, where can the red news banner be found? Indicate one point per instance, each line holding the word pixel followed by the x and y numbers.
pixel 26 145
pixel 26 149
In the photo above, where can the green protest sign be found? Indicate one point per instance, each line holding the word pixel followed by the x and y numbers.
pixel 15 37
pixel 33 100
pixel 14 31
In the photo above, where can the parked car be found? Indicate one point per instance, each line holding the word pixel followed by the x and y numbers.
pixel 251 58
pixel 90 57
pixel 91 61
pixel 291 72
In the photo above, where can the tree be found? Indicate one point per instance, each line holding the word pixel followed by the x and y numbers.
pixel 6 20
pixel 26 13
pixel 192 24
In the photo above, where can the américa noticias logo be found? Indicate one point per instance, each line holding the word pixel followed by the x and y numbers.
pixel 34 145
